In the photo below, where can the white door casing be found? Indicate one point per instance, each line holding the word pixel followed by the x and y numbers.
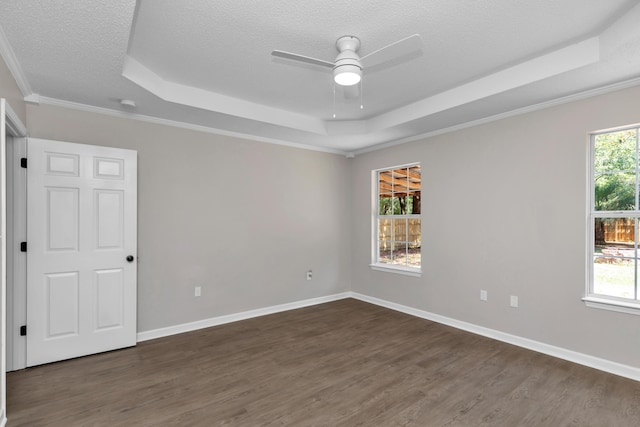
pixel 81 227
pixel 3 265
pixel 10 125
pixel 16 261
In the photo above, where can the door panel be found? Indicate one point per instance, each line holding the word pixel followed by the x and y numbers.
pixel 62 164
pixel 109 210
pixel 62 304
pixel 62 214
pixel 109 307
pixel 81 226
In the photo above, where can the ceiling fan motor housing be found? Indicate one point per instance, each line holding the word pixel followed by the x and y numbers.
pixel 347 60
pixel 348 43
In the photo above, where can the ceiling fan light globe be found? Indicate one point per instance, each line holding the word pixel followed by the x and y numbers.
pixel 347 79
pixel 347 75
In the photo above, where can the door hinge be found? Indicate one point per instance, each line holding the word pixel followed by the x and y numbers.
pixel 23 330
pixel 23 246
pixel 23 162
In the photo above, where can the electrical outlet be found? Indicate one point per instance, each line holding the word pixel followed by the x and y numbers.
pixel 309 275
pixel 198 291
pixel 483 295
pixel 514 301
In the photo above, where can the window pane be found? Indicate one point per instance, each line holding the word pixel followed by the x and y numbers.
pixel 399 253
pixel 615 191
pixel 385 207
pixel 408 205
pixel 385 188
pixel 414 257
pixel 400 230
pixel 615 151
pixel 385 182
pixel 384 229
pixel 404 205
pixel 414 237
pixel 614 277
pixel 400 183
pixel 614 237
pixel 614 260
pixel 395 206
pixel 384 256
pixel 415 241
pixel 416 204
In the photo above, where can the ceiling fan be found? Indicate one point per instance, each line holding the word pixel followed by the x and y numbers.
pixel 348 65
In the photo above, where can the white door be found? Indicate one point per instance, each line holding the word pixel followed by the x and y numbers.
pixel 81 250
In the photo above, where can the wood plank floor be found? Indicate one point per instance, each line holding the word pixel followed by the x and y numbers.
pixel 345 363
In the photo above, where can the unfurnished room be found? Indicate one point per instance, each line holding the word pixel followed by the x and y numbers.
pixel 320 213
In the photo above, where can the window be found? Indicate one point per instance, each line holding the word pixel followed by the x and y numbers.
pixel 614 213
pixel 397 235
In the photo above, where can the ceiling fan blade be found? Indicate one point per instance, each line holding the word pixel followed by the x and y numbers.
pixel 401 48
pixel 302 58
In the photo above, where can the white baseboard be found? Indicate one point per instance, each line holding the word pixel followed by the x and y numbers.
pixel 559 352
pixel 220 320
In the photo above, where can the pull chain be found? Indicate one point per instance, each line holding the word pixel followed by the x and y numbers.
pixel 334 100
pixel 361 95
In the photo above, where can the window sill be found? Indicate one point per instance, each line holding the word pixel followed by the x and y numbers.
pixel 415 272
pixel 612 305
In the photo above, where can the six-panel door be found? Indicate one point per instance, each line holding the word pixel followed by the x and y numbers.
pixel 81 227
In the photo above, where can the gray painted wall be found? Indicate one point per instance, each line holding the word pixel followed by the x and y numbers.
pixel 245 220
pixel 504 209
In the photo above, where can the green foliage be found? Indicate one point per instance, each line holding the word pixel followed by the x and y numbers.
pixel 615 171
pixel 396 205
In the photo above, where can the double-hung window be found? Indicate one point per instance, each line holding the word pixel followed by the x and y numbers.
pixel 614 267
pixel 396 232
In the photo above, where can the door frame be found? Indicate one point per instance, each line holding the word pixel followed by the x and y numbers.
pixel 16 261
pixel 15 129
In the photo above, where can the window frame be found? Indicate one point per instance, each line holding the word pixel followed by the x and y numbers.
pixel 591 298
pixel 375 229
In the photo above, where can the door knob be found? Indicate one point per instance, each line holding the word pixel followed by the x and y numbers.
pixel 129 258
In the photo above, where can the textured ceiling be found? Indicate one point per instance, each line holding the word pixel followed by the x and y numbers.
pixel 209 64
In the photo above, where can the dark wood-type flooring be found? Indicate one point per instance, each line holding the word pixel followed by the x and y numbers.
pixel 345 363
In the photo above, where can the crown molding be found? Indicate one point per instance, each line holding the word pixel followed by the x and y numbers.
pixel 13 65
pixel 37 99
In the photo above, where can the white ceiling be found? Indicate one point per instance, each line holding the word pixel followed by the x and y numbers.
pixel 209 64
